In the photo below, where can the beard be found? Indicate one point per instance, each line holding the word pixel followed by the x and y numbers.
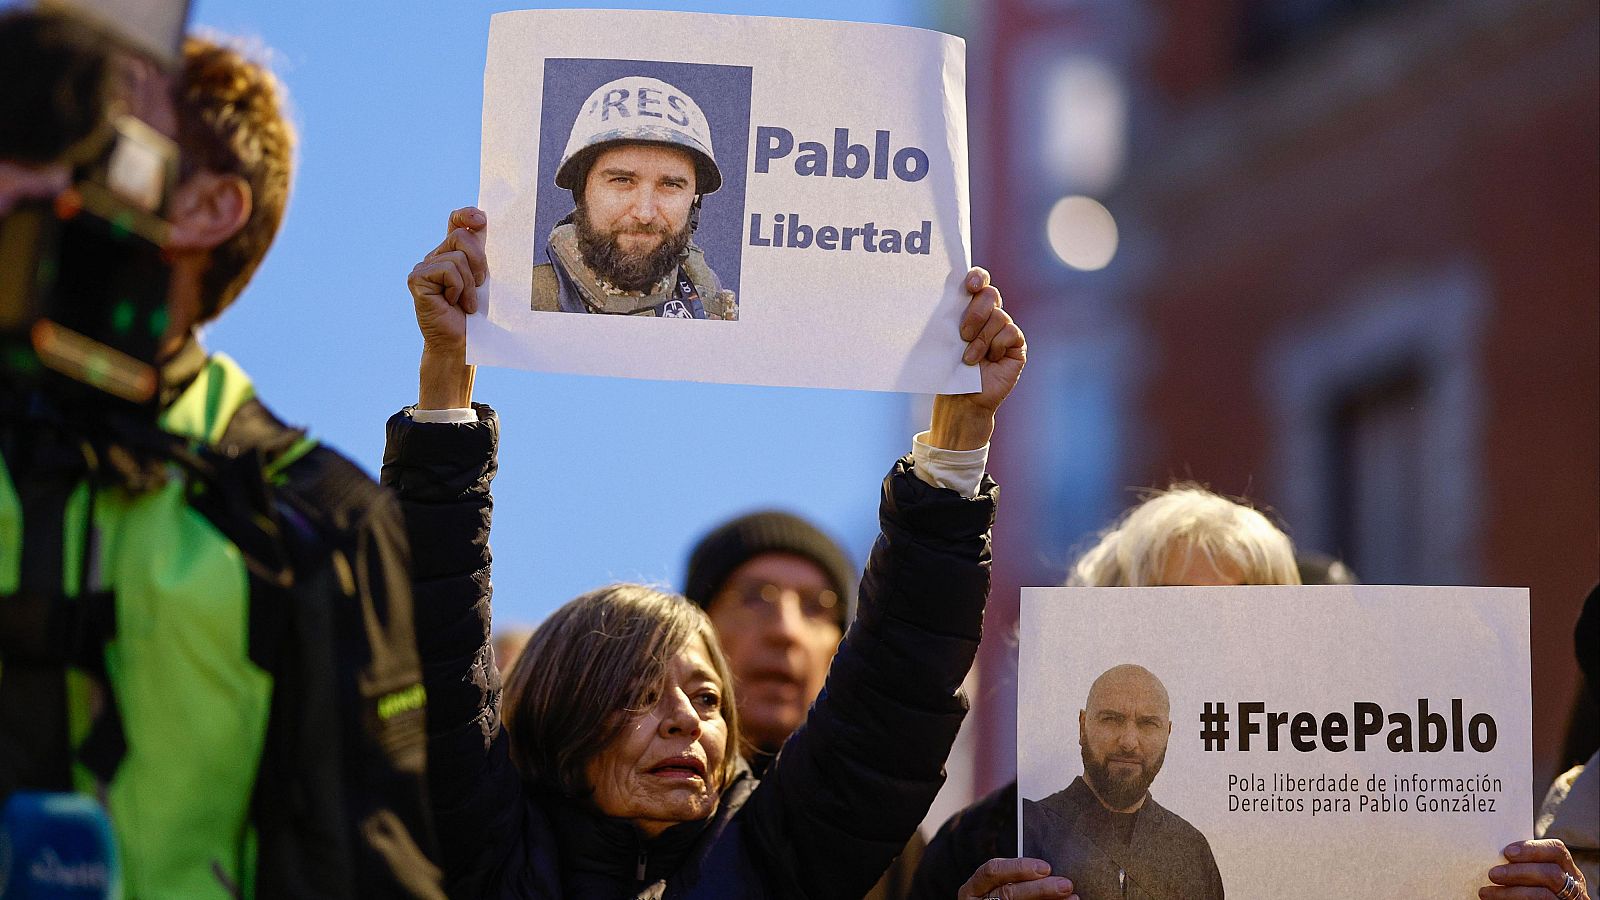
pixel 1119 792
pixel 629 270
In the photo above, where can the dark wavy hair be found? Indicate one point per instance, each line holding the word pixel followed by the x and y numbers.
pixel 586 672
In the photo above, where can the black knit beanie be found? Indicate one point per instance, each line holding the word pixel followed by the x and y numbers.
pixel 733 543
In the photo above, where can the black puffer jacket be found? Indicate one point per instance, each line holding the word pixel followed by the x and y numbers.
pixel 844 795
pixel 984 830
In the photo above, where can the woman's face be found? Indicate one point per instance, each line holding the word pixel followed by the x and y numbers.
pixel 663 768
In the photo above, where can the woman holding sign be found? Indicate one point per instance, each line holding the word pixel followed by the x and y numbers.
pixel 619 772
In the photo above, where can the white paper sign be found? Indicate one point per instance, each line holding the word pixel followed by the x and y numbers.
pixel 831 252
pixel 1324 741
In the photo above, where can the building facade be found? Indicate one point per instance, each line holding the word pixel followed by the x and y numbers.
pixel 1355 280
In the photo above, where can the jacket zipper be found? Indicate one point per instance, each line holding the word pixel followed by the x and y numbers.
pixel 644 859
pixel 1122 882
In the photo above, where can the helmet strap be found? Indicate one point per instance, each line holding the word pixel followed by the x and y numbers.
pixel 694 214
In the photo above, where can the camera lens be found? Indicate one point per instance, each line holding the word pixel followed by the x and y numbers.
pixel 57 76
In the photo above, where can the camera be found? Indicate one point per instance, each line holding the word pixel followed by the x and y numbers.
pixel 83 279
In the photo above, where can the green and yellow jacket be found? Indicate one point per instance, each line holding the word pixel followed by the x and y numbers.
pixel 218 643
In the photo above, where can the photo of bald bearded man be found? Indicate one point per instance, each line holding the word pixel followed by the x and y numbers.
pixel 1104 830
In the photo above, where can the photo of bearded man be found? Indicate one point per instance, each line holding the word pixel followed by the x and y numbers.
pixel 639 163
pixel 1104 830
pixel 637 269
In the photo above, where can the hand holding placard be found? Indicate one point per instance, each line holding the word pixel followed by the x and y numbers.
pixel 1340 753
pixel 829 235
pixel 998 348
pixel 1018 879
pixel 444 291
pixel 1536 864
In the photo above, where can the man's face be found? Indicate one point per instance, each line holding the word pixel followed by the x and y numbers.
pixel 633 223
pixel 1123 733
pixel 143 90
pixel 778 618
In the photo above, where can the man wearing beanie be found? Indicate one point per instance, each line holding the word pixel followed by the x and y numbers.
pixel 780 594
pixel 778 591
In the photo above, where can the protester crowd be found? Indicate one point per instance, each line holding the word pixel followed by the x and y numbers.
pixel 342 725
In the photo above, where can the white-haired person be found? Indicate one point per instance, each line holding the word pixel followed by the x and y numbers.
pixel 1185 535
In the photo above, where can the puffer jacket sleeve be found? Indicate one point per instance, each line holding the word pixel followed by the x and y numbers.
pixel 854 782
pixel 487 831
pixel 442 475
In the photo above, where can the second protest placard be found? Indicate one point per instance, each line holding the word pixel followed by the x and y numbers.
pixel 725 198
pixel 1190 743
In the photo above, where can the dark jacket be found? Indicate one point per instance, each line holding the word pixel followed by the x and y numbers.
pixel 896 881
pixel 249 612
pixel 1163 858
pixel 850 785
pixel 985 830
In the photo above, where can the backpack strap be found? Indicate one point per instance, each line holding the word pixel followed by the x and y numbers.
pixel 42 628
pixel 344 660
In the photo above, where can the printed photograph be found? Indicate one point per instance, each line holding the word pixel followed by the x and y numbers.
pixel 641 188
pixel 1104 828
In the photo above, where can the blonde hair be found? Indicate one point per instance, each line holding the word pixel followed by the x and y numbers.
pixel 1186 518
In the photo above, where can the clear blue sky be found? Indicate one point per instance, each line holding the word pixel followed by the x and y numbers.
pixel 600 479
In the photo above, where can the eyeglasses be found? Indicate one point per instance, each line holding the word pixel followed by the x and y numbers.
pixel 760 597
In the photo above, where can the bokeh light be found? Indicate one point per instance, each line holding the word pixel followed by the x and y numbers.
pixel 1084 126
pixel 1082 233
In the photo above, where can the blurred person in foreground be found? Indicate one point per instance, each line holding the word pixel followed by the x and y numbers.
pixel 1185 535
pixel 780 594
pixel 619 771
pixel 187 628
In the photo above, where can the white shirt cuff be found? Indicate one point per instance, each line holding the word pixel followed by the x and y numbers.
pixel 958 470
pixel 462 416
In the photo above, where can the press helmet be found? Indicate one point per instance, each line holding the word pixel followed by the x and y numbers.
pixel 637 109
